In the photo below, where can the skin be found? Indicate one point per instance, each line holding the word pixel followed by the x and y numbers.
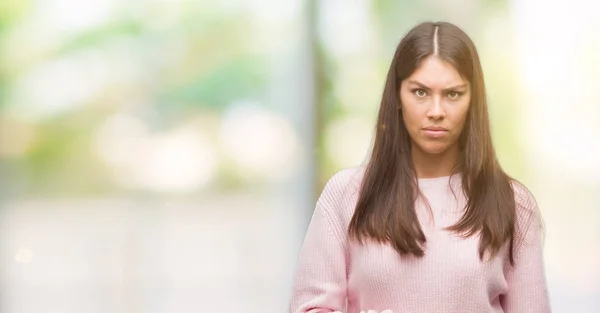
pixel 435 95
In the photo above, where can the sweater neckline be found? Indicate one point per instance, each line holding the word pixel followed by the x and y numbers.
pixel 438 181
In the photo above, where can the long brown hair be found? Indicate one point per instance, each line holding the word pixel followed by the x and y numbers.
pixel 385 211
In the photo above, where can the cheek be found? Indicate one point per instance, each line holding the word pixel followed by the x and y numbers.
pixel 412 118
pixel 412 113
pixel 464 110
pixel 460 115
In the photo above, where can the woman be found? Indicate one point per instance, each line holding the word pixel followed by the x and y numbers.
pixel 431 223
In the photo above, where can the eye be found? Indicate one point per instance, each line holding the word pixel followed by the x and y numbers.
pixel 453 95
pixel 420 93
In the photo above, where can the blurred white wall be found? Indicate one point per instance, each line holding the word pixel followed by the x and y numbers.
pixel 557 43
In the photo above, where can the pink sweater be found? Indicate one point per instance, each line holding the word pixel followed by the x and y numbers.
pixel 335 274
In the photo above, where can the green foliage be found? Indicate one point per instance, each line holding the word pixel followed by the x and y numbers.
pixel 11 11
pixel 101 35
pixel 241 78
pixel 63 160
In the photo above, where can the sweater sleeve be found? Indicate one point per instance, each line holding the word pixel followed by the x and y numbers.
pixel 320 280
pixel 527 287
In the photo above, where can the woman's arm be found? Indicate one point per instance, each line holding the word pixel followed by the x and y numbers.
pixel 527 287
pixel 320 280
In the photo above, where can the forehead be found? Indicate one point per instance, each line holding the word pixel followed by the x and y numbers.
pixel 436 73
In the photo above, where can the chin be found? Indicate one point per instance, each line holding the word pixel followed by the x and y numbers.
pixel 433 149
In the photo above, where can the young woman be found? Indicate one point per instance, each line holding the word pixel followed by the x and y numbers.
pixel 431 223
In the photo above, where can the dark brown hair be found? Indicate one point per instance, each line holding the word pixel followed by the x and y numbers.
pixel 385 211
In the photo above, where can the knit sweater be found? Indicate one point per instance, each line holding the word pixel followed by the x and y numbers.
pixel 335 273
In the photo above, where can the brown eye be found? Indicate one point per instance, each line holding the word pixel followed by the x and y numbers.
pixel 420 93
pixel 453 95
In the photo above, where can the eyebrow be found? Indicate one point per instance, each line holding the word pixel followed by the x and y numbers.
pixel 445 89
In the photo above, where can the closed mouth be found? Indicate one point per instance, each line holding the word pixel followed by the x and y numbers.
pixel 435 129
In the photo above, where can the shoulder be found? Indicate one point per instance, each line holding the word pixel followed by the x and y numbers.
pixel 527 215
pixel 339 196
pixel 524 199
pixel 343 183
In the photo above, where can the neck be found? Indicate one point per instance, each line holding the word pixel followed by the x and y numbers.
pixel 428 165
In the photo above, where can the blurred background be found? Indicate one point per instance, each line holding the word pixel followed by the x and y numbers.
pixel 166 155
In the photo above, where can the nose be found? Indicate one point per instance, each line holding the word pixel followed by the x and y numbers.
pixel 436 110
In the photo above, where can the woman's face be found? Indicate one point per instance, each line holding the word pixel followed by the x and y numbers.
pixel 435 100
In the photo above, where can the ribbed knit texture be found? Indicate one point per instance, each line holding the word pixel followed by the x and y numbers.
pixel 337 274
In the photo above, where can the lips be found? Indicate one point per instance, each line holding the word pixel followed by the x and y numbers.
pixel 435 131
pixel 435 128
